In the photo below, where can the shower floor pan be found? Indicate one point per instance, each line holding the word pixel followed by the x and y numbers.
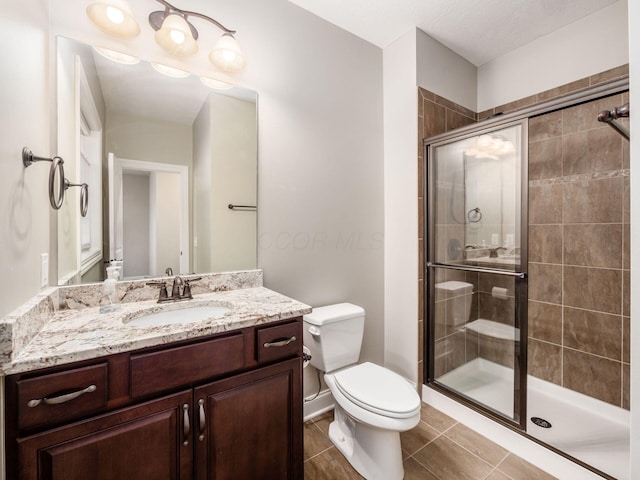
pixel 588 429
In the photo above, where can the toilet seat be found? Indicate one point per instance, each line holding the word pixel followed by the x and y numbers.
pixel 378 390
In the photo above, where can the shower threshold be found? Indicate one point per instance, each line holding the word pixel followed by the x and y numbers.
pixel 590 430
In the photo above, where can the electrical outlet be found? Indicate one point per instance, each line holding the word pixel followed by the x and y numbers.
pixel 44 270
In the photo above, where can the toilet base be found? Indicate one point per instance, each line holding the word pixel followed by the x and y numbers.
pixel 375 453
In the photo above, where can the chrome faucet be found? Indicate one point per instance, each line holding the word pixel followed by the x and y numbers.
pixel 493 252
pixel 169 272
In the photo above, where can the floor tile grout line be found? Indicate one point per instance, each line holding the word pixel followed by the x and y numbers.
pixel 426 468
pixel 319 453
pixel 478 456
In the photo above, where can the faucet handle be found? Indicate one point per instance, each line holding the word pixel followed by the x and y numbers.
pixel 186 292
pixel 163 289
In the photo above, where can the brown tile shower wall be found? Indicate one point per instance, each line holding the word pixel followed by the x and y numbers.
pixel 578 252
pixel 572 278
pixel 436 115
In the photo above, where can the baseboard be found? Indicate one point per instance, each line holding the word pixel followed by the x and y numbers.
pixel 322 403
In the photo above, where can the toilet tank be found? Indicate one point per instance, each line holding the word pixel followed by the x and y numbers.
pixel 334 335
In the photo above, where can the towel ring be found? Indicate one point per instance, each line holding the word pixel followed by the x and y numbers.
pixel 474 215
pixel 57 166
pixel 84 195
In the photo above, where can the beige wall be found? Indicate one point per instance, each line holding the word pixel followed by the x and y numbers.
pixel 234 176
pixel 25 97
pixel 201 191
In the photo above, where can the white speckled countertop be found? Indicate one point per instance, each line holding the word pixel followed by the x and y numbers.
pixel 71 334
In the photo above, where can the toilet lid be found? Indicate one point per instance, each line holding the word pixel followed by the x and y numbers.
pixel 378 390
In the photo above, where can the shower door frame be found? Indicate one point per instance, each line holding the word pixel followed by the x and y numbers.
pixel 494 123
pixel 520 277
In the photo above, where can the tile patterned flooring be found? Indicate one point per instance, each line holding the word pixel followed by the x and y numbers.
pixel 439 448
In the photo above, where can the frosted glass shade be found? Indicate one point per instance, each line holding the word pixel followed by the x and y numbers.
pixel 114 17
pixel 227 55
pixel 175 36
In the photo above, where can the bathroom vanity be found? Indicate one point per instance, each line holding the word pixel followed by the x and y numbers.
pixel 224 402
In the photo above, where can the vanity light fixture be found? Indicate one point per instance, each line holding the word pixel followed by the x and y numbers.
pixel 177 35
pixel 114 17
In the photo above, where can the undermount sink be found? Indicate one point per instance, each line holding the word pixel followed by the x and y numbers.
pixel 178 315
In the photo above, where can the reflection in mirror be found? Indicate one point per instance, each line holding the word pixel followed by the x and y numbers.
pixel 163 157
pixel 477 199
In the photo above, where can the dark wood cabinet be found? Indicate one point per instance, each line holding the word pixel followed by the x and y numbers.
pixel 151 441
pixel 247 426
pixel 197 416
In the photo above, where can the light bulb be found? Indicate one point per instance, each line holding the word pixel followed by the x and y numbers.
pixel 484 141
pixel 115 15
pixel 175 36
pixel 496 144
pixel 507 147
pixel 227 55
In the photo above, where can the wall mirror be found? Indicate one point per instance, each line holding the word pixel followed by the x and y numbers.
pixel 165 159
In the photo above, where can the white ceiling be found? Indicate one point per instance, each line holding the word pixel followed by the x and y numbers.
pixel 478 30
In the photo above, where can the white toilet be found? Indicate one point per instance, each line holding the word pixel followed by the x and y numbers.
pixel 373 404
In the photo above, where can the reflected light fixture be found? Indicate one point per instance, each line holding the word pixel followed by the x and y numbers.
pixel 178 36
pixel 487 146
pixel 215 84
pixel 114 17
pixel 170 71
pixel 116 56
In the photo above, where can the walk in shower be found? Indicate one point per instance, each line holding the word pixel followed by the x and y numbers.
pixel 527 273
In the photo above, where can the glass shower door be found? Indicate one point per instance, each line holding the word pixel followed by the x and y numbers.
pixel 476 288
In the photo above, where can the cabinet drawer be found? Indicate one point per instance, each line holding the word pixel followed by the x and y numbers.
pixel 174 367
pixel 279 341
pixel 59 397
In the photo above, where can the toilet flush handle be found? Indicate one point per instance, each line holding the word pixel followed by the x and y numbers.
pixel 314 331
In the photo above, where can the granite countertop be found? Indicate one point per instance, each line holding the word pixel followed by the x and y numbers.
pixel 70 335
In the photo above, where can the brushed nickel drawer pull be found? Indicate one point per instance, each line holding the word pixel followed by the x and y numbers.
pixel 61 398
pixel 280 343
pixel 186 425
pixel 202 418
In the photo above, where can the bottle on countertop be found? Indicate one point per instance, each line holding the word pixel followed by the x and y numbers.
pixel 110 301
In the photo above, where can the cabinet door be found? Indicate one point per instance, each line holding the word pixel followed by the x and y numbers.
pixel 151 441
pixel 250 426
